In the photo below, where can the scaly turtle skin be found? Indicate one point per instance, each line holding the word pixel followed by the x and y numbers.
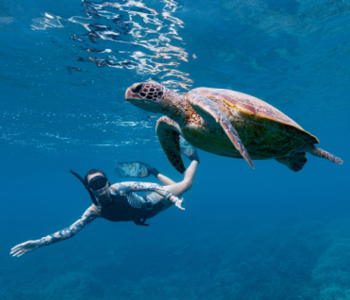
pixel 226 123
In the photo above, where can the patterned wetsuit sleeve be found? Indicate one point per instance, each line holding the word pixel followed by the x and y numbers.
pixel 90 214
pixel 124 188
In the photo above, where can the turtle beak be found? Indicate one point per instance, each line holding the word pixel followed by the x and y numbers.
pixel 130 95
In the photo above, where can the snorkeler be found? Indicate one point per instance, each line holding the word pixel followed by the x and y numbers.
pixel 118 202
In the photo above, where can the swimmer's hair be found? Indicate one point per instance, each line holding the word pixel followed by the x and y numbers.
pixel 92 171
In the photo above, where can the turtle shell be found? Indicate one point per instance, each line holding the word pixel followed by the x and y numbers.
pixel 265 131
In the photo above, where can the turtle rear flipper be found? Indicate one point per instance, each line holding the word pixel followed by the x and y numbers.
pixel 210 112
pixel 321 153
pixel 295 162
pixel 168 132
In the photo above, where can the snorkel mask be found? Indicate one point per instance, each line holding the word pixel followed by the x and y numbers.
pixel 99 186
pixel 97 183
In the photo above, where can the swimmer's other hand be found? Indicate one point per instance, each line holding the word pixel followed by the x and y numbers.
pixel 178 203
pixel 24 248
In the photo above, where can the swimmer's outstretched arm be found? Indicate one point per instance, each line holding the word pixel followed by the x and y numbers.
pixel 126 187
pixel 90 214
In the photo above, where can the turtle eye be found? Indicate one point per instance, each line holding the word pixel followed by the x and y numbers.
pixel 137 88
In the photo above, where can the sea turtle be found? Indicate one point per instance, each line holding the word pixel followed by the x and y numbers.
pixel 226 123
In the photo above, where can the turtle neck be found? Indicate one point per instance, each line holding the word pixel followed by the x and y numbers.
pixel 176 107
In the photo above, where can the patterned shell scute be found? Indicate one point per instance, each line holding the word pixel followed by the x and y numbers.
pixel 256 109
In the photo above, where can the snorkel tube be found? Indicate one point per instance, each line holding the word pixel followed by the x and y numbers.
pixel 92 196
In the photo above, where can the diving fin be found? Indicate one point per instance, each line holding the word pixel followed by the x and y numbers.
pixel 136 169
pixel 188 150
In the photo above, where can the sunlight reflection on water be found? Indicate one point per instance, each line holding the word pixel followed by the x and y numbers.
pixel 147 39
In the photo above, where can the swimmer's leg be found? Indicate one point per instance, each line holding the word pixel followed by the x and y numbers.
pixel 191 153
pixel 165 180
pixel 179 188
pixel 162 178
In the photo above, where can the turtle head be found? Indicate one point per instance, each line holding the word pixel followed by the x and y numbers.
pixel 148 96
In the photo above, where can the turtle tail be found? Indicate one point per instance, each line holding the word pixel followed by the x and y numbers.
pixel 322 153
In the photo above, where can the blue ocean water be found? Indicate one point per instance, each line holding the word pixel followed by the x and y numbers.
pixel 267 233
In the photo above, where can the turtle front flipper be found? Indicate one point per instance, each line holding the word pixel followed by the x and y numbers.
pixel 168 132
pixel 209 111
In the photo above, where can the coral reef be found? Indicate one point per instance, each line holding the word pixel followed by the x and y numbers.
pixel 303 260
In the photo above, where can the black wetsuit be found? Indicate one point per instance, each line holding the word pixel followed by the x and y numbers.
pixel 131 207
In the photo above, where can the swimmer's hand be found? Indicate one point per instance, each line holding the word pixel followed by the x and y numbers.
pixel 177 202
pixel 24 248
